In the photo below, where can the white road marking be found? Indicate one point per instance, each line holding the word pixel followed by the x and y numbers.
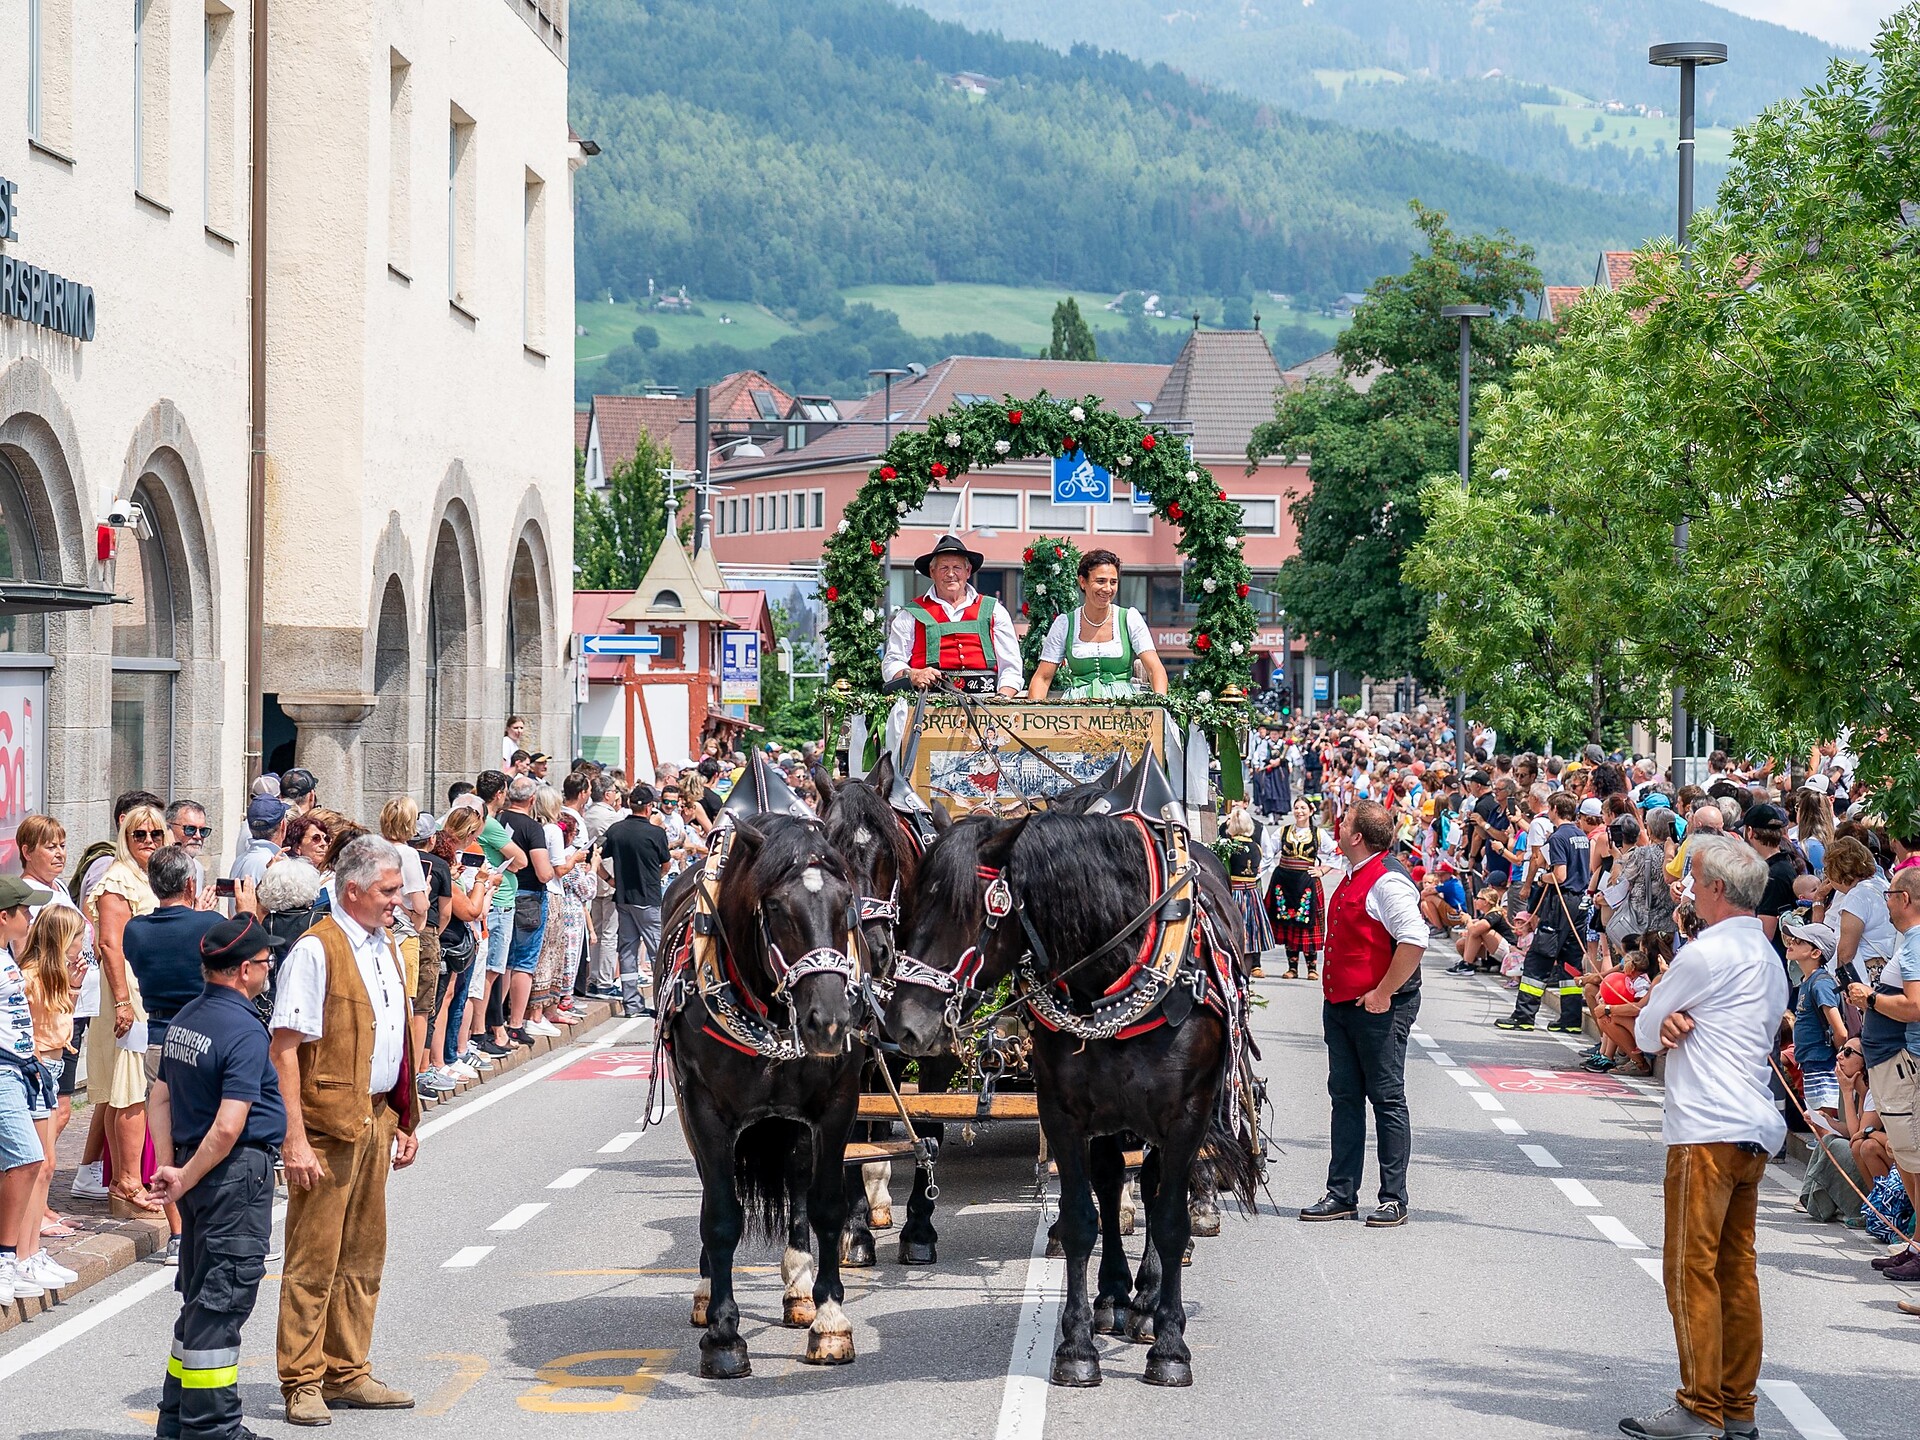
pixel 1461 1077
pixel 1424 1040
pixel 1617 1232
pixel 1541 1156
pixel 1801 1412
pixel 494 1093
pixel 1507 1125
pixel 519 1215
pixel 467 1258
pixel 994 1207
pixel 1651 1264
pixel 569 1180
pixel 1442 1059
pixel 1576 1192
pixel 1023 1404
pixel 623 1141
pixel 1482 1098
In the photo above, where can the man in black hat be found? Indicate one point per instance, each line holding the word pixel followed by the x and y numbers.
pixel 953 630
pixel 217 1122
pixel 1765 826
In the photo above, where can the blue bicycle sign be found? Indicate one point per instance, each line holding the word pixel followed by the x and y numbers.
pixel 1078 481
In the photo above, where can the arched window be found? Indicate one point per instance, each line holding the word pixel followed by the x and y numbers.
pixel 19 560
pixel 145 666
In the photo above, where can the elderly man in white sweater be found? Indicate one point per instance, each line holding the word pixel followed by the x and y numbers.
pixel 1715 1013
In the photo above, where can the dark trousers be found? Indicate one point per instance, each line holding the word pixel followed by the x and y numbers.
pixel 225 1222
pixel 1556 958
pixel 1367 1065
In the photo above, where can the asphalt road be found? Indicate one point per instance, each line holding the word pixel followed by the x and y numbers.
pixel 542 1253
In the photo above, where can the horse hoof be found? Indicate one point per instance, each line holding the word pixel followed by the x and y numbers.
pixel 1075 1372
pixel 1128 1220
pixel 1167 1370
pixel 1187 1258
pixel 856 1251
pixel 829 1349
pixel 1055 1250
pixel 917 1252
pixel 699 1319
pixel 880 1218
pixel 1205 1223
pixel 1107 1318
pixel 1139 1327
pixel 797 1311
pixel 725 1362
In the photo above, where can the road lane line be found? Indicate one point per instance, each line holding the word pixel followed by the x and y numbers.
pixel 620 1143
pixel 1541 1156
pixel 494 1093
pixel 1507 1125
pixel 1801 1412
pixel 1425 1041
pixel 1023 1404
pixel 569 1180
pixel 1651 1264
pixel 1442 1059
pixel 1481 1097
pixel 1576 1192
pixel 1618 1233
pixel 519 1215
pixel 1465 1080
pixel 466 1259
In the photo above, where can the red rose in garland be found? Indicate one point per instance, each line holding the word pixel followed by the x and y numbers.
pixel 877 548
pixel 1202 643
pixel 1222 495
pixel 833 592
pixel 1026 556
pixel 887 472
pixel 1174 512
pixel 1058 553
pixel 1025 609
pixel 939 471
pixel 1146 442
pixel 1069 444
pixel 1241 589
pixel 1014 417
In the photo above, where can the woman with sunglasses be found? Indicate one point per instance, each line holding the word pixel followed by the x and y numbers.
pixel 120 1075
pixel 43 859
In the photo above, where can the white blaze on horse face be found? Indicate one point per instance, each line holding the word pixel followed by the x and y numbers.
pixel 814 879
pixel 796 1270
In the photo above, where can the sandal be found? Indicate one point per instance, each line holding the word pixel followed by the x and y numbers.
pixel 57 1230
pixel 1293 973
pixel 138 1197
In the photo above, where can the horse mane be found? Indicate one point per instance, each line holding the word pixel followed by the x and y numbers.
pixel 1079 879
pixel 947 890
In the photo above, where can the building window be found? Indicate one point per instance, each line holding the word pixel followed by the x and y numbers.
pixel 1043 514
pixel 33 69
pixel 759 513
pixel 462 162
pixel 786 513
pixel 399 162
pixel 939 511
pixel 819 509
pixel 140 748
pixel 19 560
pixel 533 261
pixel 996 512
pixel 50 73
pixel 1166 604
pixel 151 81
pixel 219 79
pixel 1259 517
pixel 1120 518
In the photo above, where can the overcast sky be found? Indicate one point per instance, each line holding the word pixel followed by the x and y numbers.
pixel 1843 22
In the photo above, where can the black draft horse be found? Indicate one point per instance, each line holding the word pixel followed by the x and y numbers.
pixel 1081 880
pixel 767 1106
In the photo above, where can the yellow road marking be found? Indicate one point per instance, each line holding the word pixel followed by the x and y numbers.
pixel 559 1376
pixel 469 1369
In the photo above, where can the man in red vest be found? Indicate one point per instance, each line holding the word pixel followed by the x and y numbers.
pixel 953 630
pixel 1371 980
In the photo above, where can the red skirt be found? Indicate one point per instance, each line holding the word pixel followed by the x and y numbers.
pixel 1298 913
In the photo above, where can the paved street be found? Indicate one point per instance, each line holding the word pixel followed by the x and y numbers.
pixel 542 1258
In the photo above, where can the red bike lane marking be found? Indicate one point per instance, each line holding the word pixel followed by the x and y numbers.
pixel 1514 1080
pixel 608 1065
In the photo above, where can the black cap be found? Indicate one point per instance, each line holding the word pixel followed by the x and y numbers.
pixel 1479 777
pixel 297 784
pixel 1771 816
pixel 232 942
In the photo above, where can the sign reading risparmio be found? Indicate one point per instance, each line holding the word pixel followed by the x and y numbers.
pixel 33 295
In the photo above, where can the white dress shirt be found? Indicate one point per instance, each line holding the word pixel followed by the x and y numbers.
pixel 1006 641
pixel 300 995
pixel 1394 901
pixel 1731 985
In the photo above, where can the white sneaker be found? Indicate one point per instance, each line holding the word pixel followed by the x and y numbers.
pixel 90 1182
pixel 49 1272
pixel 460 1070
pixel 23 1285
pixel 541 1027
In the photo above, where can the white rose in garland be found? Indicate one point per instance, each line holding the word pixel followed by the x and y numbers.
pixel 1209 584
pixel 1001 447
pixel 1077 414
pixel 953 439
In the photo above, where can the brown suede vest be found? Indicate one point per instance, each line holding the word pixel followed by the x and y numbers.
pixel 334 1069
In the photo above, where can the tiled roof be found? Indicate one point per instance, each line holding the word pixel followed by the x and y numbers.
pixel 582 421
pixel 1557 300
pixel 1222 384
pixel 669 419
pixel 748 610
pixel 591 609
pixel 1326 366
pixel 669 591
pixel 1615 270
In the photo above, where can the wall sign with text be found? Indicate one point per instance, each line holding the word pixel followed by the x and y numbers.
pixel 36 296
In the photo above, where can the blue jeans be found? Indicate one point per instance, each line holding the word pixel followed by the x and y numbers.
pixel 462 987
pixel 499 935
pixel 523 956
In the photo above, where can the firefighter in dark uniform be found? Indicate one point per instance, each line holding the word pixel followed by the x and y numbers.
pixel 216 1111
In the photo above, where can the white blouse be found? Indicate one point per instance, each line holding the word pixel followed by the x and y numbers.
pixel 1053 650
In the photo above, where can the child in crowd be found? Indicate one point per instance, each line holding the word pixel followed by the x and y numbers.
pixel 1488 939
pixel 53 967
pixel 1621 995
pixel 1819 1029
pixel 1443 899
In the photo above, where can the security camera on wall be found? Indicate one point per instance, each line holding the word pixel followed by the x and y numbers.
pixel 129 515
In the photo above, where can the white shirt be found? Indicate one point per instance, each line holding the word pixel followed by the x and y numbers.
pixel 413 881
pixel 1394 901
pixel 1732 986
pixel 1867 902
pixel 1054 647
pixel 1006 641
pixel 300 995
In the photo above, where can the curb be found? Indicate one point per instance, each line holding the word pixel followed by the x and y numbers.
pixel 125 1235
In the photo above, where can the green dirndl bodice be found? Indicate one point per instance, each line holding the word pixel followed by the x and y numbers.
pixel 1099 677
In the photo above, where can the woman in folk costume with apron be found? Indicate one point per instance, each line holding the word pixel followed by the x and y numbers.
pixel 1294 901
pixel 1098 642
pixel 1243 869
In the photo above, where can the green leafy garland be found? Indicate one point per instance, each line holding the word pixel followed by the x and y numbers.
pixel 978 436
pixel 1047 585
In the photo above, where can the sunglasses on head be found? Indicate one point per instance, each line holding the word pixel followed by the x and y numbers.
pixel 146 834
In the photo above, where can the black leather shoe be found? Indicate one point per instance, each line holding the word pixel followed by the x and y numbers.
pixel 1328 1208
pixel 1390 1213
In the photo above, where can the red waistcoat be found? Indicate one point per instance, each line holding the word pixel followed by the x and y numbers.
pixel 1359 947
pixel 962 644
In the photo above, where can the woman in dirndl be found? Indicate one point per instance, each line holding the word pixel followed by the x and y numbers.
pixel 1243 870
pixel 1293 899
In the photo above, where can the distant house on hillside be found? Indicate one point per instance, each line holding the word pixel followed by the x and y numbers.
pixel 1345 305
pixel 971 82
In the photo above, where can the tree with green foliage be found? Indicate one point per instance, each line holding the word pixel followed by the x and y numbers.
pixel 1072 339
pixel 1370 452
pixel 617 530
pixel 790 721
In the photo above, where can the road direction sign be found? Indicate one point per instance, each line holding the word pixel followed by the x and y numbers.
pixel 740 667
pixel 1078 481
pixel 605 645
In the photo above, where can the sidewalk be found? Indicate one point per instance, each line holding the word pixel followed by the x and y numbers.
pixel 114 1236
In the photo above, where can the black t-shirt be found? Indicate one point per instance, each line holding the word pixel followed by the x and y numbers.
pixel 1502 927
pixel 638 851
pixel 1568 846
pixel 1497 825
pixel 163 951
pixel 439 884
pixel 530 835
pixel 1777 899
pixel 216 1049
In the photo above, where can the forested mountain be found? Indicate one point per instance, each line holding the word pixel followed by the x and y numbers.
pixel 778 150
pixel 1424 66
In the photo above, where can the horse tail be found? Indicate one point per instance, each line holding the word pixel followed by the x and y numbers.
pixel 760 1174
pixel 1230 1150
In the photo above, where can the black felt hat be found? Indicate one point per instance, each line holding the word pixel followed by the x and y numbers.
pixel 949 545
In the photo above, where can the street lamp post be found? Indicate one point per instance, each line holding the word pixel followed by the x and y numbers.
pixel 1466 315
pixel 1687 56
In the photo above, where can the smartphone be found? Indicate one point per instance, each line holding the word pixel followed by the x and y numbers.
pixel 472 858
pixel 223 888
